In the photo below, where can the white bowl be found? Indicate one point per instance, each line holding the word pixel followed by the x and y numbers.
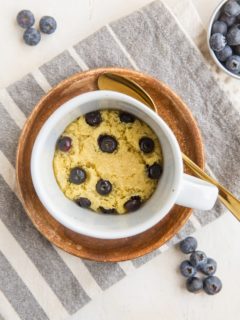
pixel 85 221
pixel 214 17
pixel 173 187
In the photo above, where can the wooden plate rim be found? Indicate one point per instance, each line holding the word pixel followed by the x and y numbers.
pixel 55 240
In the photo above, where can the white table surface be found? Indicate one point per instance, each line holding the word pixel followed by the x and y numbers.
pixel 156 290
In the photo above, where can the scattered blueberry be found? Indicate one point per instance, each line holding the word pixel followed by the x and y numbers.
pixel 233 64
pixel 93 118
pixel 154 171
pixel 83 202
pixel 198 258
pixel 31 36
pixel 210 267
pixel 107 211
pixel 231 8
pixel 187 269
pixel 25 19
pixel 217 41
pixel 126 117
pixel 133 204
pixel 228 20
pixel 199 262
pixel 219 27
pixel 107 143
pixel 188 245
pixel 47 24
pixel 194 284
pixel 64 144
pixel 103 187
pixel 146 145
pixel 77 175
pixel 237 50
pixel 224 54
pixel 212 285
pixel 233 35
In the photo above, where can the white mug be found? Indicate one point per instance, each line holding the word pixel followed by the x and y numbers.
pixel 174 187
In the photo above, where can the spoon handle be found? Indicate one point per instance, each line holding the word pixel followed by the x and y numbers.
pixel 225 196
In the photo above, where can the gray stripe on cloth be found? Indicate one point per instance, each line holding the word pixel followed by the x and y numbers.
pixel 9 133
pixel 40 251
pixel 186 230
pixel 101 50
pixel 18 294
pixel 174 240
pixel 144 259
pixel 59 68
pixel 205 217
pixel 105 274
pixel 177 62
pixel 26 93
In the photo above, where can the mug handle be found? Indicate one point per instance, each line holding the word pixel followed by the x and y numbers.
pixel 196 193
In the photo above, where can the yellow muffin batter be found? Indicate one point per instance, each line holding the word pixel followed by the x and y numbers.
pixel 126 168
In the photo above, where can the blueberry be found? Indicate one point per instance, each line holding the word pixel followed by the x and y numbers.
pixel 31 36
pixel 210 267
pixel 77 175
pixel 212 285
pixel 126 117
pixel 219 27
pixel 233 64
pixel 228 20
pixel 107 211
pixel 224 54
pixel 236 50
pixel 146 144
pixel 231 8
pixel 194 284
pixel 64 143
pixel 25 19
pixel 188 245
pixel 107 143
pixel 217 41
pixel 47 24
pixel 155 171
pixel 187 270
pixel 198 258
pixel 233 35
pixel 93 118
pixel 133 204
pixel 83 202
pixel 103 187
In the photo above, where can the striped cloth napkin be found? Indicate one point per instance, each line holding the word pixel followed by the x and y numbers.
pixel 39 281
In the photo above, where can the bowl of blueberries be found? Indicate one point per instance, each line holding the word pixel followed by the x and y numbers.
pixel 224 37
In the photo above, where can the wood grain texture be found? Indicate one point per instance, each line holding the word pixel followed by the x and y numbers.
pixel 170 107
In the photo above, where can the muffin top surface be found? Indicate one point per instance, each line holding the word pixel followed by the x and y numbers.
pixel 108 161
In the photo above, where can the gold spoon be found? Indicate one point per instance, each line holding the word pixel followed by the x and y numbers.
pixel 115 82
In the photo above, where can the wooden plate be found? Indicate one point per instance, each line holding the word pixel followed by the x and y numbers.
pixel 170 107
